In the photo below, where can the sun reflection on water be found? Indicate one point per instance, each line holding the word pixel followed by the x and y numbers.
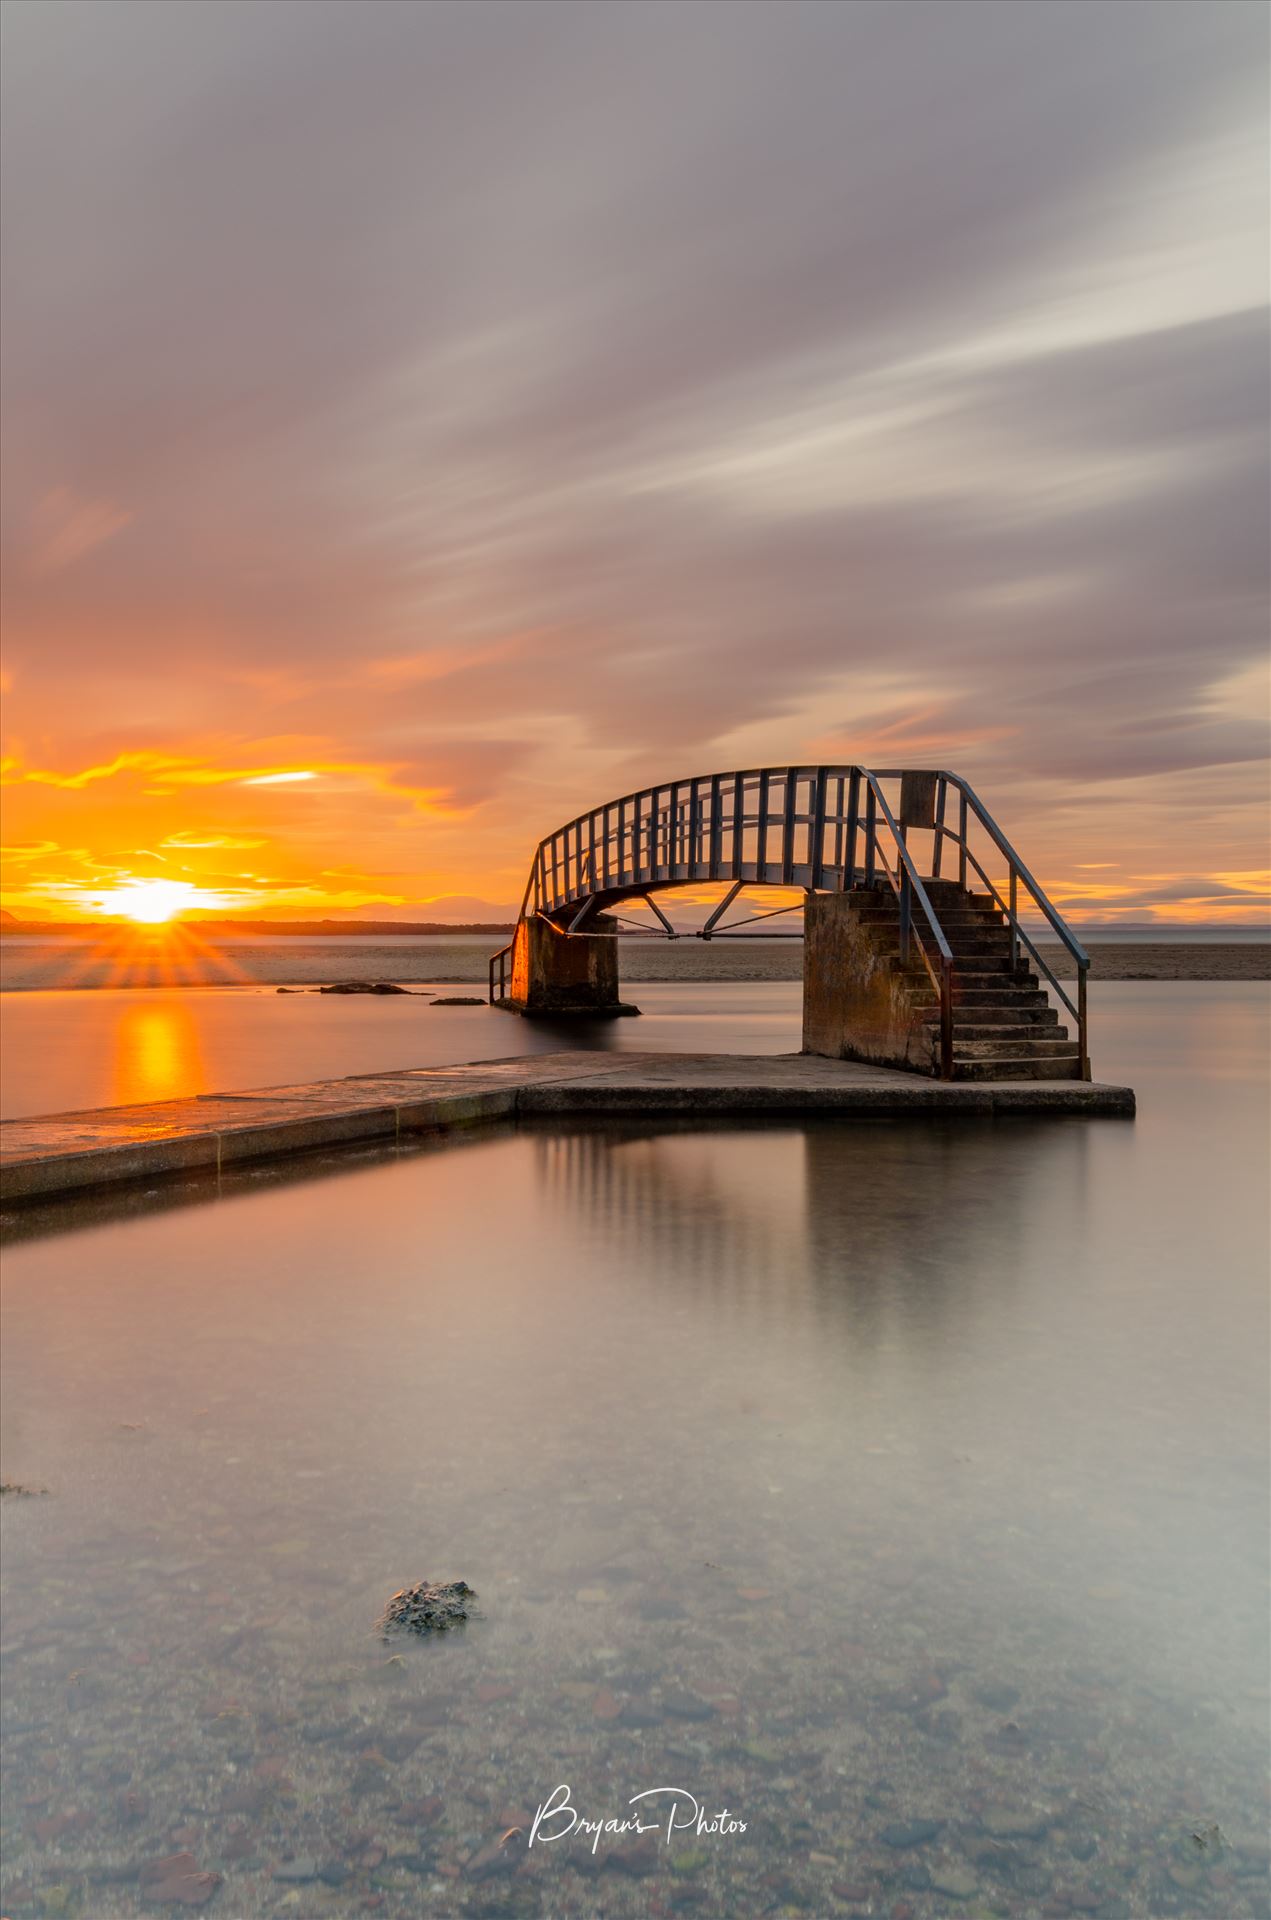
pixel 158 1055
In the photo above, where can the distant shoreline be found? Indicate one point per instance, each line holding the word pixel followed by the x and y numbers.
pixel 255 963
pixel 270 930
pixel 1145 931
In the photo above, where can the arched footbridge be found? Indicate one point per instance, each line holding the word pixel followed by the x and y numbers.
pixel 921 921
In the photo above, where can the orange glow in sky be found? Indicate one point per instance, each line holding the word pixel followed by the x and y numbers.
pixel 798 396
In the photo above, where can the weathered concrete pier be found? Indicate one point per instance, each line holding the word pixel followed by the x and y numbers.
pixel 919 990
pixel 74 1152
pixel 935 972
pixel 556 973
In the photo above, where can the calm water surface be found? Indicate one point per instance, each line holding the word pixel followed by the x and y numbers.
pixel 902 1489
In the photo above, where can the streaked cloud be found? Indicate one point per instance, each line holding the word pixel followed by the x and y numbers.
pixel 487 409
pixel 63 528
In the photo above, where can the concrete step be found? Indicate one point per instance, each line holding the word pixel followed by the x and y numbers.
pixel 1019 1067
pixel 1016 1036
pixel 887 913
pixel 1009 1045
pixel 980 968
pixel 997 1013
pixel 1003 993
pixel 948 894
pixel 961 936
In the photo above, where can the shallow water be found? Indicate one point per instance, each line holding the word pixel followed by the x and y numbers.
pixel 65 1051
pixel 901 1488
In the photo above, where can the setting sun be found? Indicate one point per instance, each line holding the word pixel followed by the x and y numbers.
pixel 150 901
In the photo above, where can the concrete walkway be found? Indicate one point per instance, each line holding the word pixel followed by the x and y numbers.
pixel 60 1153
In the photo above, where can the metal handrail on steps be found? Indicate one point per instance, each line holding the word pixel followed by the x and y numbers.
pixel 1017 876
pixel 498 992
pixel 818 828
pixel 907 887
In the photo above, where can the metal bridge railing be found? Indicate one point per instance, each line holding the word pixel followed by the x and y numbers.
pixel 1005 892
pixel 818 828
pixel 500 962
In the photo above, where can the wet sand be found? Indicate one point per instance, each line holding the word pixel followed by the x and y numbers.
pixel 1169 961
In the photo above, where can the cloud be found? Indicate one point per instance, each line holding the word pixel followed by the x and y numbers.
pixel 63 528
pixel 514 404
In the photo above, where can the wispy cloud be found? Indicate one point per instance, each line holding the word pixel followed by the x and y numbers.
pixel 639 389
pixel 63 528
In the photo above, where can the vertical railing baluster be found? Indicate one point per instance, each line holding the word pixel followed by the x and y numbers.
pixel 1014 920
pixel 946 1018
pixel 717 825
pixel 870 833
pixel 816 848
pixel 761 846
pixel 789 818
pixel 962 819
pixel 1083 1037
pixel 739 825
pixel 853 814
pixel 938 850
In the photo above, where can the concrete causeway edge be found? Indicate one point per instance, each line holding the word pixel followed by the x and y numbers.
pixel 54 1154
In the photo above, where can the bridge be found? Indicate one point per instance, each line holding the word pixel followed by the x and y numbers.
pixel 917 913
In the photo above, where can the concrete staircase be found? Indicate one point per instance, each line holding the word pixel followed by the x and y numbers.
pixel 1004 1027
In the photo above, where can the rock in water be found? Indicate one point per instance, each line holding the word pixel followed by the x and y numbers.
pixel 428 1609
pixel 363 986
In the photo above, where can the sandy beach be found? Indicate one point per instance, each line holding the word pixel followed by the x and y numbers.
pixel 1171 960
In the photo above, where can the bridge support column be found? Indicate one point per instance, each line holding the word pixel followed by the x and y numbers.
pixel 858 1003
pixel 555 973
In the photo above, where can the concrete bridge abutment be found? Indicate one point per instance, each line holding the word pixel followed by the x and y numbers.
pixel 858 1002
pixel 558 974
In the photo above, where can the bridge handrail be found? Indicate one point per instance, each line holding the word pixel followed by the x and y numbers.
pixel 906 884
pixel 1017 874
pixel 722 826
pixel 499 962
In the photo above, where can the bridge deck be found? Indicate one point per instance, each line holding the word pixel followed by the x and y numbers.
pixel 61 1153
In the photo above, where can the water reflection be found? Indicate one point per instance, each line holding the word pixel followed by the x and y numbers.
pixel 158 1052
pixel 897 1487
pixel 823 1212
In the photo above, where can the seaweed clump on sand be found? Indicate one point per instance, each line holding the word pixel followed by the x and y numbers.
pixel 428 1608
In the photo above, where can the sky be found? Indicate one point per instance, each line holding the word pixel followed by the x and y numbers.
pixel 424 422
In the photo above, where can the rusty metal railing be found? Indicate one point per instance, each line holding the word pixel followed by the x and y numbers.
pixel 498 974
pixel 815 828
pixel 1005 894
pixel 907 887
